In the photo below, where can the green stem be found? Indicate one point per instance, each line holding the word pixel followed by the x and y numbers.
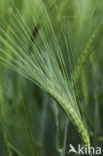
pixel 2 133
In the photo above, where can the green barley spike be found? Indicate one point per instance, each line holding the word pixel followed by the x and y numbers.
pixel 86 53
pixel 75 119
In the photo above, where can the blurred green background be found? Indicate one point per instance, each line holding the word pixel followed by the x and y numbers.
pixel 31 121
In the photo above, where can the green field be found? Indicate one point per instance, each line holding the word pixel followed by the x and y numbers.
pixel 51 77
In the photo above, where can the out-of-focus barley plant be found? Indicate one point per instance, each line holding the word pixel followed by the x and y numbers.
pixel 51 76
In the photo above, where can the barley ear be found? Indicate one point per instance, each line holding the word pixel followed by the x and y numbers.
pixel 86 53
pixel 75 119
